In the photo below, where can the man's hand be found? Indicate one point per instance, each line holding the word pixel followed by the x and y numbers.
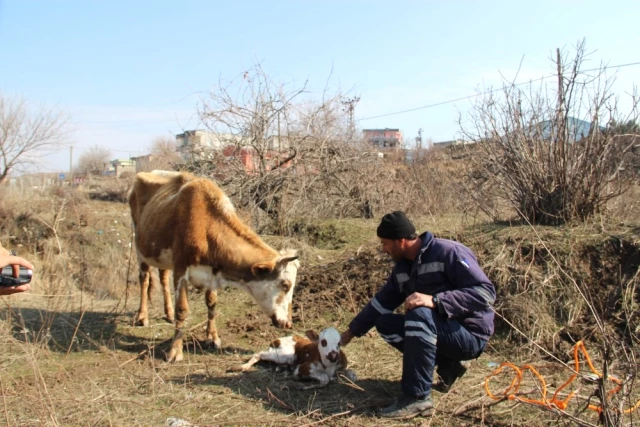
pixel 346 337
pixel 417 299
pixel 10 290
pixel 6 258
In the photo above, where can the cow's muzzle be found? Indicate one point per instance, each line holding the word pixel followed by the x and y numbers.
pixel 279 323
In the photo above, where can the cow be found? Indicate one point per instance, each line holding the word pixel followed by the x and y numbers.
pixel 316 357
pixel 188 224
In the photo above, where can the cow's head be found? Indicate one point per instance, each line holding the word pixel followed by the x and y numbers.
pixel 273 286
pixel 328 344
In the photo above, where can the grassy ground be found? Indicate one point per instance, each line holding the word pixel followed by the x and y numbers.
pixel 70 356
pixel 89 366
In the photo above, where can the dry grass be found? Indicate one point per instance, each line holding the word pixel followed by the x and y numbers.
pixel 97 369
pixel 70 355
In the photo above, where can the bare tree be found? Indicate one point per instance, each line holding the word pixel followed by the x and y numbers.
pixel 546 153
pixel 287 156
pixel 163 155
pixel 553 156
pixel 94 160
pixel 27 133
pixel 164 146
pixel 284 154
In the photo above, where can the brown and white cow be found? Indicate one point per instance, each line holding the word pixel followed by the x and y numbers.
pixel 187 224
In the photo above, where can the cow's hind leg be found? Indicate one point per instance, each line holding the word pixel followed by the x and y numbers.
pixel 144 277
pixel 168 304
pixel 182 312
pixel 212 340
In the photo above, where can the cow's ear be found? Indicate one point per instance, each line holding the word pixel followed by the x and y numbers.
pixel 259 269
pixel 312 335
pixel 285 260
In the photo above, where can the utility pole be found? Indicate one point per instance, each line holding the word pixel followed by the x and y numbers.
pixel 349 107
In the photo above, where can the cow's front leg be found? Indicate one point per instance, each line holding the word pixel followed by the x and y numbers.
pixel 182 312
pixel 168 304
pixel 212 340
pixel 144 277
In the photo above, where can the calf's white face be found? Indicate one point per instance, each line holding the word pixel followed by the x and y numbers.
pixel 329 345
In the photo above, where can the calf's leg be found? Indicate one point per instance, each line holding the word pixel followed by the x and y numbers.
pixel 283 355
pixel 307 371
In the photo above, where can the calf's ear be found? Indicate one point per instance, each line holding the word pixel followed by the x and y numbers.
pixel 312 335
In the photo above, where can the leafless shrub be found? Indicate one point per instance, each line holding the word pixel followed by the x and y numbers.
pixel 281 156
pixel 557 156
pixel 94 160
pixel 26 134
pixel 548 155
pixel 433 182
pixel 163 155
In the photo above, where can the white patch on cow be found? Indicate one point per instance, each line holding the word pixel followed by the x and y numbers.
pixel 201 276
pixel 227 206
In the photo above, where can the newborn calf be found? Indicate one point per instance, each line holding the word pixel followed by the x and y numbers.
pixel 316 358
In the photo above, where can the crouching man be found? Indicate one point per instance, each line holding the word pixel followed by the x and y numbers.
pixel 448 317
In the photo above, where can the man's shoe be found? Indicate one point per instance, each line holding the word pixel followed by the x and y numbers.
pixel 449 375
pixel 408 407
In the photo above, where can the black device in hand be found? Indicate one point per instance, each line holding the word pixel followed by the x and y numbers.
pixel 7 279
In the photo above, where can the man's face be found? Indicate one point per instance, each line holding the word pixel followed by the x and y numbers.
pixel 393 248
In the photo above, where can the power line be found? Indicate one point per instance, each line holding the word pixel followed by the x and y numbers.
pixel 118 124
pixel 487 92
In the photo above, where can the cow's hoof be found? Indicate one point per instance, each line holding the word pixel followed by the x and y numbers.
pixel 215 345
pixel 141 322
pixel 175 356
pixel 170 320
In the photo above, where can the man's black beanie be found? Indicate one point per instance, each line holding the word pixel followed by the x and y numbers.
pixel 395 225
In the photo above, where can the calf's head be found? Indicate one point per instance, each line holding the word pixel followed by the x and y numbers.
pixel 273 286
pixel 328 344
